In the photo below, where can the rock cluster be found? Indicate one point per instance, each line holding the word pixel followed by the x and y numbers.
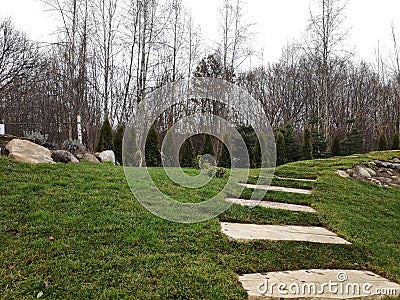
pixel 382 173
pixel 23 150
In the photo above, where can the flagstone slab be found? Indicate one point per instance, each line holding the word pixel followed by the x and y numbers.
pixel 277 189
pixel 272 205
pixel 252 232
pixel 318 284
pixel 296 179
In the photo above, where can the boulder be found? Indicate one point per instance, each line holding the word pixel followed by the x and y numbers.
pixel 342 173
pixel 28 152
pixel 63 156
pixel 363 172
pixel 107 156
pixel 90 158
pixel 371 172
pixel 387 164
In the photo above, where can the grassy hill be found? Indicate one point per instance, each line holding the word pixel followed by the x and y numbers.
pixel 76 232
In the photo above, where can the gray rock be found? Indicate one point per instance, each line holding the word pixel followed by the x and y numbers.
pixel 28 152
pixel 395 160
pixel 363 172
pixel 342 173
pixel 390 173
pixel 350 172
pixel 385 180
pixel 371 172
pixel 107 156
pixel 90 158
pixel 387 165
pixel 378 163
pixel 63 156
pixel 373 180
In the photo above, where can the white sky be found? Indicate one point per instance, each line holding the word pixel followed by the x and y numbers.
pixel 277 22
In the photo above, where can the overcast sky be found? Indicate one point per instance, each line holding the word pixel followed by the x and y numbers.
pixel 277 22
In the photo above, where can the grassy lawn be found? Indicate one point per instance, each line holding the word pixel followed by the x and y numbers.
pixel 76 232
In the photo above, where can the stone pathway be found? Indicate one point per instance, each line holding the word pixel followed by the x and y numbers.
pixel 277 189
pixel 318 284
pixel 305 284
pixel 252 232
pixel 273 205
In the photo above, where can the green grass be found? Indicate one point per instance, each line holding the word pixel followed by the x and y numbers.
pixel 106 245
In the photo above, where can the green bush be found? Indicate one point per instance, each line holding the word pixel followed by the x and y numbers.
pixel 336 146
pixel 218 172
pixel 118 139
pixel 152 150
pixel 73 146
pixel 280 149
pixel 186 155
pixel 396 141
pixel 382 142
pixel 306 146
pixel 105 139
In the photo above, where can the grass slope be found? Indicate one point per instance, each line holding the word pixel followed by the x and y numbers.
pixel 75 231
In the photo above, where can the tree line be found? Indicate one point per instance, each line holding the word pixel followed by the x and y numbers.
pixel 110 54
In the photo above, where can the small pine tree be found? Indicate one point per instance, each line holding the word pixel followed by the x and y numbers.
pixel 248 135
pixel 280 149
pixel 169 150
pixel 152 151
pixel 307 147
pixel 186 155
pixel 105 140
pixel 382 142
pixel 130 147
pixel 224 158
pixel 353 143
pixel 396 141
pixel 319 143
pixel 257 155
pixel 207 146
pixel 291 144
pixel 118 138
pixel 336 146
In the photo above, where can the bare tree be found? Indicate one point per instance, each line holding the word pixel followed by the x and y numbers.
pixel 325 44
pixel 18 56
pixel 235 35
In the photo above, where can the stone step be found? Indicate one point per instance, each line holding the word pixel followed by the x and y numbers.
pixel 318 284
pixel 272 205
pixel 277 189
pixel 251 232
pixel 296 179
